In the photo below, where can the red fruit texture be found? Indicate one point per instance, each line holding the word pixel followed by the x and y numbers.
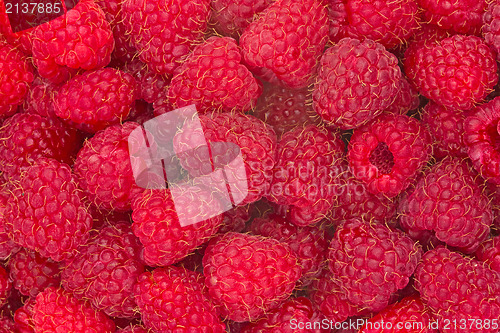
pixel 389 23
pixel 308 243
pixel 387 153
pixel 80 39
pixel 133 329
pixel 491 27
pixel 460 16
pixel 456 72
pixel 22 40
pixel 371 262
pixel 449 201
pixel 284 43
pixel 229 135
pixel 157 222
pixel 213 78
pixel 482 137
pixel 248 275
pixel 457 288
pixel 408 315
pixel 25 138
pixel 5 286
pixel 407 98
pixel 493 192
pixel 40 98
pixel 356 82
pixel 173 299
pixel 45 213
pixel 165 31
pixel 235 219
pixel 105 270
pixel 31 273
pixel 96 99
pixel 7 325
pixel 57 310
pixel 231 17
pixel 285 109
pixel 151 85
pixel 23 317
pixel 294 312
pixel 7 246
pixel 104 171
pixel 489 252
pixel 304 175
pixel 16 76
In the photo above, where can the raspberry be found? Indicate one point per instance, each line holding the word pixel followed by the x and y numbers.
pixel 57 311
pixel 7 246
pixel 235 219
pixel 103 168
pixel 40 98
pixel 132 329
pixel 23 317
pixel 356 82
pixel 387 153
pixel 482 137
pixel 489 252
pixel 96 99
pixel 151 85
pixel 407 98
pixel 24 138
pixel 32 273
pixel 456 72
pixel 165 31
pixel 448 201
pixel 173 299
pixel 248 275
pixel 158 227
pixel 5 286
pixel 285 50
pixel 491 27
pixel 16 76
pixel 105 270
pixel 458 288
pixel 371 262
pixel 23 39
pixel 7 325
pixel 45 213
pixel 80 39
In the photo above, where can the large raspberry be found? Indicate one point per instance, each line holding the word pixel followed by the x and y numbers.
pixel 456 72
pixel 371 262
pixel 105 270
pixel 80 39
pixel 165 31
pixel 459 289
pixel 489 252
pixel 103 168
pixel 157 218
pixel 213 78
pixel 96 99
pixel 248 275
pixel 387 153
pixel 491 27
pixel 284 43
pixel 16 75
pixel 449 201
pixel 482 137
pixel 57 310
pixel 356 82
pixel 173 299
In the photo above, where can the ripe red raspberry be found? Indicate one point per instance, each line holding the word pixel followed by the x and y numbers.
pixel 408 315
pixel 23 317
pixel 388 152
pixel 389 23
pixel 304 175
pixel 151 85
pixel 458 288
pixel 493 192
pixel 96 99
pixel 32 273
pixel 165 31
pixel 105 270
pixel 248 275
pixel 489 252
pixel 133 329
pixel 461 16
pixel 173 299
pixel 482 137
pixel 45 212
pixel 16 76
pixel 7 246
pixel 57 310
pixel 235 219
pixel 407 98
pixel 356 82
pixel 309 243
pixel 456 72
pixel 80 39
pixel 5 286
pixel 7 325
pixel 24 138
pixel 40 98
pixel 449 201
pixel 371 262
pixel 104 171
pixel 213 78
pixel 22 39
pixel 491 27
pixel 286 50
pixel 157 222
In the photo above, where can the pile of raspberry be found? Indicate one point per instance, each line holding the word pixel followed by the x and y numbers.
pixel 341 172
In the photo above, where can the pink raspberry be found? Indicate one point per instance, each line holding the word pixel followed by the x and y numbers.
pixel 23 317
pixel 133 329
pixel 22 39
pixel 151 86
pixel 5 286
pixel 491 27
pixel 40 98
pixel 489 252
pixel 7 246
